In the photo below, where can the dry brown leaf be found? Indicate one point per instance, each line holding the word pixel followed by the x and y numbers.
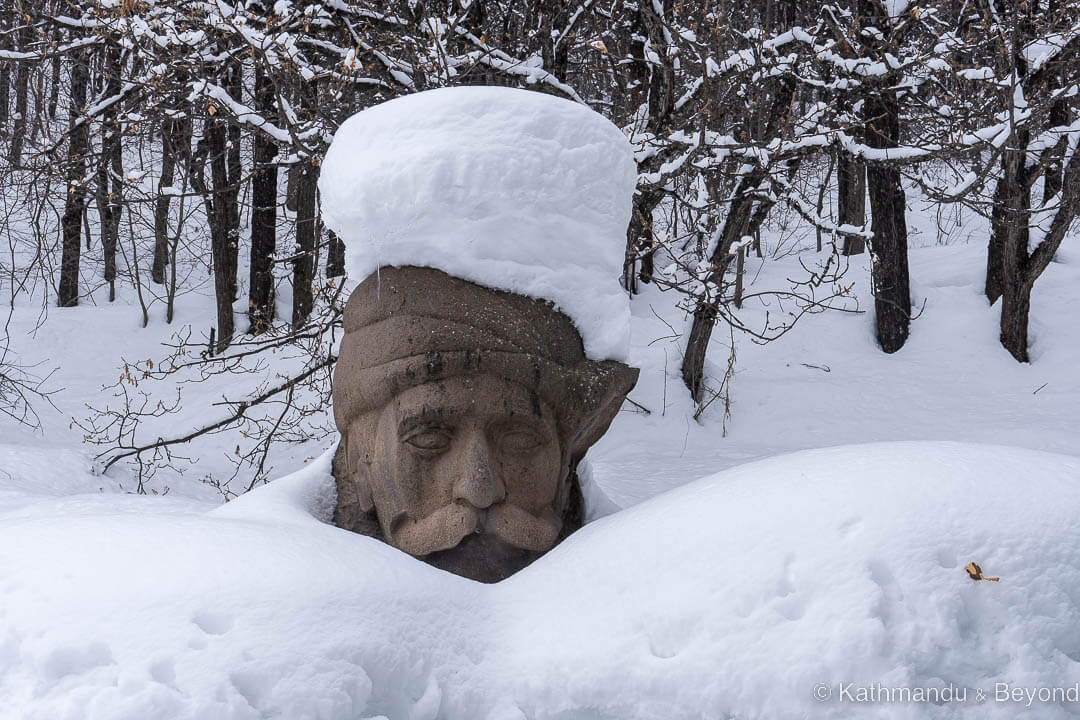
pixel 976 572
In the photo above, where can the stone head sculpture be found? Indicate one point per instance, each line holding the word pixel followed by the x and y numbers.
pixel 484 345
pixel 463 413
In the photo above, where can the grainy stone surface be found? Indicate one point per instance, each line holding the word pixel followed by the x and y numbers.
pixel 463 413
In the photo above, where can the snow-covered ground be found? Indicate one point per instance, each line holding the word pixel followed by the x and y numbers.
pixel 734 596
pixel 786 588
pixel 827 382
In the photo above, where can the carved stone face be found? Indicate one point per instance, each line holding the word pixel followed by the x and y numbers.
pixel 471 458
pixel 463 413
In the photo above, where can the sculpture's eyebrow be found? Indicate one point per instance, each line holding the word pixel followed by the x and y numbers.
pixel 443 416
pixel 529 421
pixel 425 416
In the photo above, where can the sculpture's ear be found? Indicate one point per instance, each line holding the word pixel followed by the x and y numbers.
pixel 619 381
pixel 355 508
pixel 358 471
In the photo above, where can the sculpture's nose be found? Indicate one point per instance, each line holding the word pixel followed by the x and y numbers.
pixel 477 483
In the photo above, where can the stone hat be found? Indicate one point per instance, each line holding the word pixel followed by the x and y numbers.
pixel 396 316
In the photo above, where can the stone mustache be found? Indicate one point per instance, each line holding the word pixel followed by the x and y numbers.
pixel 463 413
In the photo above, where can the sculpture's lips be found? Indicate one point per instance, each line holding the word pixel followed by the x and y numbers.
pixel 449 526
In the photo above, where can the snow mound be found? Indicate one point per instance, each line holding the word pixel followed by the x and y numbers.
pixel 779 589
pixel 22 483
pixel 512 189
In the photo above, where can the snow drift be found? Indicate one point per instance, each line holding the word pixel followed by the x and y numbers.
pixel 738 595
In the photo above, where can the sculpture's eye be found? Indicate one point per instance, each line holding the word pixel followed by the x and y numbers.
pixel 430 439
pixel 520 441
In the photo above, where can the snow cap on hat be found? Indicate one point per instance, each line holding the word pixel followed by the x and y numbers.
pixel 511 189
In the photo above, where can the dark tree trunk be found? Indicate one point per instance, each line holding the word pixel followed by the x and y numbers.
pixel 292 177
pixel 54 79
pixel 234 84
pixel 697 345
pixel 851 199
pixel 5 75
pixel 5 96
pixel 1015 308
pixel 335 256
pixel 305 178
pixel 75 202
pixel 850 170
pixel 110 171
pixel 171 137
pixel 180 148
pixel 555 52
pixel 1010 221
pixel 999 239
pixel 473 21
pixel 222 236
pixel 740 262
pixel 820 201
pixel 264 188
pixel 221 146
pixel 1052 180
pixel 22 83
pixel 661 106
pixel 1022 269
pixel 225 169
pixel 659 79
pixel 1010 235
pixel 639 239
pixel 306 227
pixel 892 292
pixel 880 128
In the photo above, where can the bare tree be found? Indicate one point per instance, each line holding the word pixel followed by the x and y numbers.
pixel 264 201
pixel 110 168
pixel 75 202
pixel 23 18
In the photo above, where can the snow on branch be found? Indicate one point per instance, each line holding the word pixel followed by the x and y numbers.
pixel 242 113
pixel 532 73
pixel 46 54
